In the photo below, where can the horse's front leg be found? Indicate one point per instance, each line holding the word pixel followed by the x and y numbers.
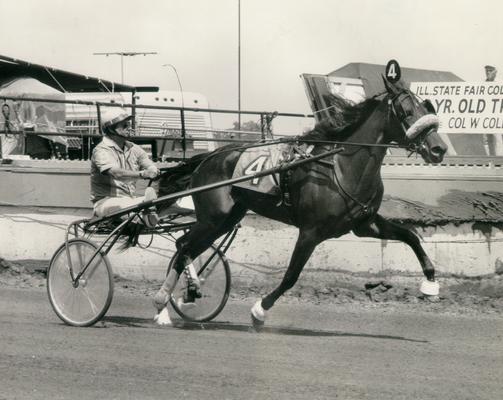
pixel 306 243
pixel 381 228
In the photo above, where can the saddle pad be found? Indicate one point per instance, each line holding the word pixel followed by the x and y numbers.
pixel 257 159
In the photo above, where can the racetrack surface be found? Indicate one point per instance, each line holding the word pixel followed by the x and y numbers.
pixel 351 350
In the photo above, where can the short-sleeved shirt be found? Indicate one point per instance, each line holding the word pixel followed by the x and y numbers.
pixel 108 154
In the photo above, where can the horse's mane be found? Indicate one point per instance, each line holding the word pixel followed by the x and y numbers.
pixel 344 116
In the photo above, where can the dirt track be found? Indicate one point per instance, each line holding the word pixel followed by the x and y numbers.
pixel 459 295
pixel 323 341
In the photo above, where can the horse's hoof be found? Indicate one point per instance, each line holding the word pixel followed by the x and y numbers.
pixel 183 306
pixel 162 318
pixel 432 299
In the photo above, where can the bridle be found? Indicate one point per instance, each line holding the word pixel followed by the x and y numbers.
pixel 415 144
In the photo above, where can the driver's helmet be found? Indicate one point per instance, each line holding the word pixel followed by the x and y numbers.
pixel 112 116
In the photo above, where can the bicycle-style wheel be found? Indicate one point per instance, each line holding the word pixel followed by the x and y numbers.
pixel 215 276
pixel 84 303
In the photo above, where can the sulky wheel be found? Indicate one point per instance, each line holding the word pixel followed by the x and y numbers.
pixel 215 277
pixel 84 302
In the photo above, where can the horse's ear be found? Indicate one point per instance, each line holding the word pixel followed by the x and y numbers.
pixel 390 87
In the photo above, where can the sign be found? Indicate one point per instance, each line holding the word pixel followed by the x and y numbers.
pixel 465 107
pixel 393 71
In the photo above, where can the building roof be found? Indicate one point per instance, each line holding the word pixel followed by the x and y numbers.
pixel 63 81
pixel 371 76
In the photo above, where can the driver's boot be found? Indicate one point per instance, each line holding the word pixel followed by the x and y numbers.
pixel 150 216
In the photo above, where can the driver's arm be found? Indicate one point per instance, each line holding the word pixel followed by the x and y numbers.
pixel 147 165
pixel 117 173
pixel 148 171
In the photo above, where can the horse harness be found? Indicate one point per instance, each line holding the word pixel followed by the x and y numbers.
pixel 297 152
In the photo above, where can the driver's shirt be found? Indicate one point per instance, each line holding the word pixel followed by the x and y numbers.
pixel 108 154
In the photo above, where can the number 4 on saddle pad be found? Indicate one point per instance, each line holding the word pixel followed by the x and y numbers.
pixel 258 159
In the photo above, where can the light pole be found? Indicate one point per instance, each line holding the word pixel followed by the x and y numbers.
pixel 182 112
pixel 178 79
pixel 125 54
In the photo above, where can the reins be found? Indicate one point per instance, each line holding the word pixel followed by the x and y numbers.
pixel 299 139
pixel 412 147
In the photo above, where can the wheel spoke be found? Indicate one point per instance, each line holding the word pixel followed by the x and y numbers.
pixel 88 297
pixel 68 294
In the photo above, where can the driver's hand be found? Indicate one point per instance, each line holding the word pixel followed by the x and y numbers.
pixel 150 173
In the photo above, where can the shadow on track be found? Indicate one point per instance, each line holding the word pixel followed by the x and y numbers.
pixel 231 327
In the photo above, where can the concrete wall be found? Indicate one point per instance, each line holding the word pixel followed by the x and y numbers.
pixel 426 192
pixel 263 247
pixel 60 183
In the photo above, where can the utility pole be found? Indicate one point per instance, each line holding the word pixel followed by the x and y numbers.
pixel 239 64
pixel 125 54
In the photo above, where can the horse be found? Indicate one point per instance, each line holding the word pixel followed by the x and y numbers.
pixel 326 199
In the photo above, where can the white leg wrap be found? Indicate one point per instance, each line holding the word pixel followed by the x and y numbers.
pixel 430 288
pixel 193 274
pixel 258 312
pixel 163 318
pixel 161 299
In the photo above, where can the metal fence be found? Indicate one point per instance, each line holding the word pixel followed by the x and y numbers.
pixel 179 130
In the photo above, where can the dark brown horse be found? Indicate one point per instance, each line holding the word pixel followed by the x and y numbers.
pixel 328 199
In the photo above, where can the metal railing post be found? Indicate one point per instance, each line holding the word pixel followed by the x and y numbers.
pixel 262 127
pixel 98 115
pixel 184 137
pixel 133 110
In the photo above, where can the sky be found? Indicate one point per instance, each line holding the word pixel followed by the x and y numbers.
pixel 280 39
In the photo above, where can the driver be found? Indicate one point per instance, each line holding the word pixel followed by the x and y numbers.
pixel 116 164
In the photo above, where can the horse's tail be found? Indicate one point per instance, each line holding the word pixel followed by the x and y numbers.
pixel 176 179
pixel 132 232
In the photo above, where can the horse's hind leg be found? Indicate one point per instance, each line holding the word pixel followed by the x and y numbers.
pixel 381 228
pixel 306 243
pixel 200 237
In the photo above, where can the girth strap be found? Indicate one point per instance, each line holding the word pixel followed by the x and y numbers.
pixel 365 207
pixel 295 153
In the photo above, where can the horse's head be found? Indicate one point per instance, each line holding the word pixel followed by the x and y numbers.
pixel 413 123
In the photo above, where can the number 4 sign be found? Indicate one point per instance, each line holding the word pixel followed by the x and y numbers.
pixel 393 71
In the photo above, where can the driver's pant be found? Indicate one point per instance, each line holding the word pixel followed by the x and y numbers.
pixel 109 205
